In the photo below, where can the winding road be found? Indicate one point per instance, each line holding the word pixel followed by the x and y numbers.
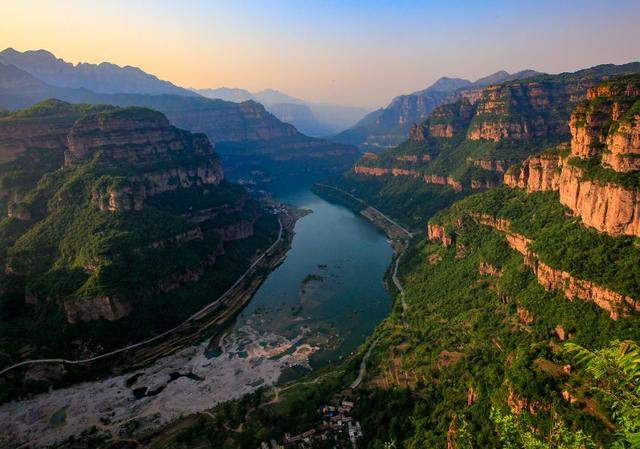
pixel 397 283
pixel 363 366
pixel 192 318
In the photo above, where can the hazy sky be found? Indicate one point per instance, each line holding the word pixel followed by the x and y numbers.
pixel 349 52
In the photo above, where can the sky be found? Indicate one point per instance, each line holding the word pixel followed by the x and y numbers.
pixel 348 52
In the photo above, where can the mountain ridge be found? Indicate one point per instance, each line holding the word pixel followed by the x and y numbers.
pixel 104 77
pixel 239 130
pixel 388 126
pixel 317 119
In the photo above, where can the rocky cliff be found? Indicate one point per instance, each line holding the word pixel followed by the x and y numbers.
pixel 596 176
pixel 389 126
pixel 473 143
pixel 537 173
pixel 109 210
pixel 564 253
pixel 43 127
pixel 163 157
pixel 554 279
pixel 427 153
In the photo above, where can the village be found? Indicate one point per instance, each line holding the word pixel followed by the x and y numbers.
pixel 335 429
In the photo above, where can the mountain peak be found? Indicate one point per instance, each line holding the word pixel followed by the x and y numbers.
pixel 105 77
pixel 502 76
pixel 446 84
pixel 9 51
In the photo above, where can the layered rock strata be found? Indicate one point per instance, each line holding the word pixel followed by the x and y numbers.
pixel 550 278
pixel 595 179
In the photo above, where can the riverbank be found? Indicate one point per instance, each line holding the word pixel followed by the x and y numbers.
pixel 392 228
pixel 272 409
pixel 274 339
pixel 166 379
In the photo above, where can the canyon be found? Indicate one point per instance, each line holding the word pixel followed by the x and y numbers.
pixel 167 305
pixel 105 208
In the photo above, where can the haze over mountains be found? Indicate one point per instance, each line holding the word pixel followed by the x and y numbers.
pixel 101 78
pixel 511 202
pixel 244 132
pixel 315 119
pixel 387 127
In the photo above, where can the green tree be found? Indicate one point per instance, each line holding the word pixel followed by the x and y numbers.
pixel 616 371
pixel 515 434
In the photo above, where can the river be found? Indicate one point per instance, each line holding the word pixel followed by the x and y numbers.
pixel 317 306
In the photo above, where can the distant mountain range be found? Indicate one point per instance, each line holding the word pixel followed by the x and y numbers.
pixel 387 127
pixel 245 134
pixel 104 78
pixel 315 119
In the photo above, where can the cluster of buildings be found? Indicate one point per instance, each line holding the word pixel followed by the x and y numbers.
pixel 336 429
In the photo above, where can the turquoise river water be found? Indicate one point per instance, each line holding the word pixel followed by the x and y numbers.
pixel 331 281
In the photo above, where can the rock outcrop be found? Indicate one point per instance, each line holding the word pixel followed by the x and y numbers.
pixel 536 174
pixel 162 158
pixel 497 165
pixel 487 269
pixel 550 278
pixel 450 120
pixel 437 233
pixel 417 133
pixel 98 308
pixel 112 188
pixel 605 131
pixel 427 179
pixel 17 134
pixel 605 206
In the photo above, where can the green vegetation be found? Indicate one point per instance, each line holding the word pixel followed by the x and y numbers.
pixel 514 433
pixel 456 310
pixel 410 200
pixel 614 372
pixel 312 278
pixel 560 241
pixel 68 247
pixel 55 108
pixel 479 359
pixel 593 170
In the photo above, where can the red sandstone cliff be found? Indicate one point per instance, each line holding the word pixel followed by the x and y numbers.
pixel 605 131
